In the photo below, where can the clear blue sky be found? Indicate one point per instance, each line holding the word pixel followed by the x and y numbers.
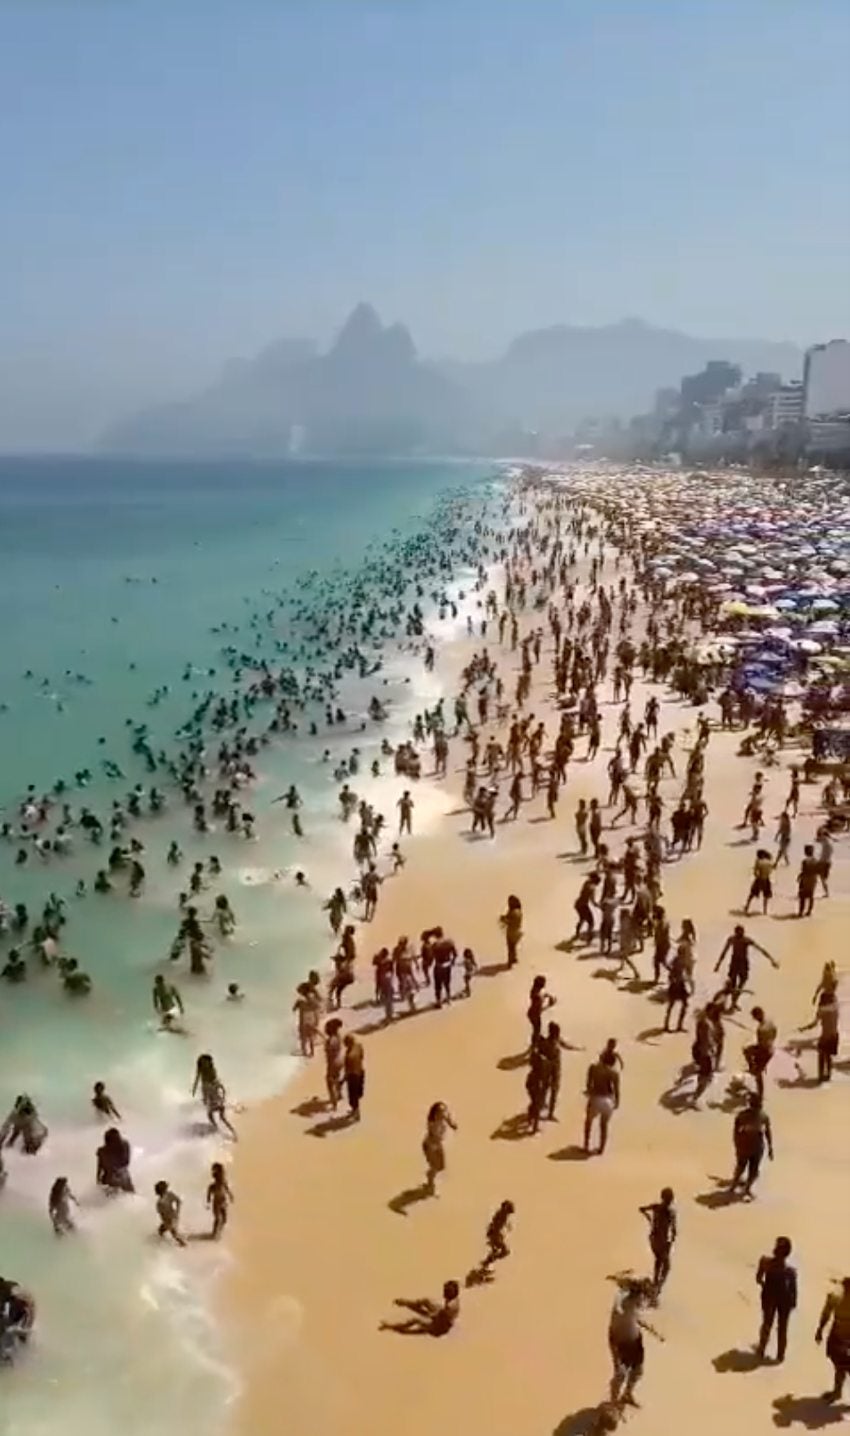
pixel 185 180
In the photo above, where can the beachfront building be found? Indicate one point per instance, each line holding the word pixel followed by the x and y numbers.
pixel 826 380
pixel 784 405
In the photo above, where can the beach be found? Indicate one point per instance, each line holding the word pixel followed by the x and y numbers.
pixel 329 1227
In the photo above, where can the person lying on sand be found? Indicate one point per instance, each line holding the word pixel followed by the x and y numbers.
pixel 429 1318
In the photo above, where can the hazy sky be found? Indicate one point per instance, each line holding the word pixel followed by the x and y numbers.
pixel 184 180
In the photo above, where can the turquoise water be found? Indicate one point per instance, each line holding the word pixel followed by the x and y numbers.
pixel 113 577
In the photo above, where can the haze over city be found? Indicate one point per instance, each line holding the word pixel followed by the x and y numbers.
pixel 186 185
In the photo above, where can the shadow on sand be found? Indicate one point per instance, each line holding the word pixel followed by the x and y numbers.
pixel 737 1359
pixel 810 1411
pixel 409 1198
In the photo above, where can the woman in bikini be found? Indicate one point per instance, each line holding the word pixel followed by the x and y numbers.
pixel 433 1145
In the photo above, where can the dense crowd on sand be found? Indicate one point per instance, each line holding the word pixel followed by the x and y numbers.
pixel 578 622
pixel 584 644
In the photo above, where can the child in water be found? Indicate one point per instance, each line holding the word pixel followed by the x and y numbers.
pixel 59 1207
pixel 168 1206
pixel 219 1198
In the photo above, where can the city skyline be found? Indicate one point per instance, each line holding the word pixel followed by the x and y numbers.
pixel 186 185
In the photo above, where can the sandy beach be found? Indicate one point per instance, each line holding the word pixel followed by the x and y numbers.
pixel 329 1227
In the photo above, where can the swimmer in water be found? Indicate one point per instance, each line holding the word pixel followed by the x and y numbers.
pixel 103 1103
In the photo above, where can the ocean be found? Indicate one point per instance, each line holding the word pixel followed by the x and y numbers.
pixel 123 587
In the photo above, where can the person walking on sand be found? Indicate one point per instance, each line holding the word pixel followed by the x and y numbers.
pixel 663 1231
pixel 783 839
pixel 498 1231
pixel 777 1280
pixel 625 1339
pixel 168 1206
pixel 511 922
pixel 354 1068
pixel 433 1145
pixel 807 877
pixel 836 1315
pixel 761 885
pixel 219 1199
pixel 751 1136
pixel 602 1091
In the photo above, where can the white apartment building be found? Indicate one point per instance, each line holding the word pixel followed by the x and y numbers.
pixel 785 405
pixel 826 379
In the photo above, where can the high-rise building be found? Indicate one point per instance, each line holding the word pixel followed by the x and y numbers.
pixel 826 380
pixel 784 405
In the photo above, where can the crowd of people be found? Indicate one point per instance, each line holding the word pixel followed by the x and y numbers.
pixel 573 625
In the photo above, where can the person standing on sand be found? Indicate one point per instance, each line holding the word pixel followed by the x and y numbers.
pixel 602 1090
pixel 737 949
pixel 829 1037
pixel 807 878
pixel 836 1315
pixel 433 1145
pixel 751 1135
pixel 581 821
pixel 334 1061
pixel 680 985
pixel 778 1282
pixel 538 1001
pixel 405 814
pixel 583 906
pixel 444 955
pixel 354 1068
pixel 759 1054
pixel 663 1231
pixel 511 922
pixel 761 885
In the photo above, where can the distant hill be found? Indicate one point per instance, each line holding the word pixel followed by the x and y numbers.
pixel 371 393
pixel 549 379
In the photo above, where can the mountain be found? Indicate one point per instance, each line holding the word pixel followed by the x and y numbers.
pixel 371 392
pixel 549 379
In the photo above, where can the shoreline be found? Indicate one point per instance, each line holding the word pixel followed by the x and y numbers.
pixel 319 1255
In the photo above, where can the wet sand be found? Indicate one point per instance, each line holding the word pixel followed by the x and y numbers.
pixel 330 1227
